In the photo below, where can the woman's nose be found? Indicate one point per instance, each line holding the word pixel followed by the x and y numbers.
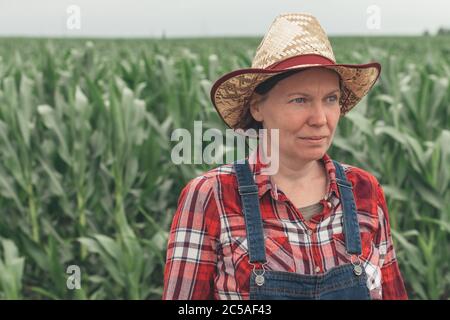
pixel 317 115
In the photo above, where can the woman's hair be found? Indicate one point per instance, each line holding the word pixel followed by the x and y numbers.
pixel 246 120
pixel 264 87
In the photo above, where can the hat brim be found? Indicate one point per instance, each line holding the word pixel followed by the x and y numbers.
pixel 230 92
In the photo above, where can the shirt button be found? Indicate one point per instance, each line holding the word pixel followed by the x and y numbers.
pixel 328 204
pixel 309 232
pixel 317 269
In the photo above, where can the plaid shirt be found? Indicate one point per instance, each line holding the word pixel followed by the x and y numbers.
pixel 207 253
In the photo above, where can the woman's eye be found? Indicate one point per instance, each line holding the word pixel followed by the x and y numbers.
pixel 333 98
pixel 298 100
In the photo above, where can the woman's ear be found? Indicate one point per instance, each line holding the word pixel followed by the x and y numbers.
pixel 255 109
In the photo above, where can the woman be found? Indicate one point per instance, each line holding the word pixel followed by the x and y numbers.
pixel 315 229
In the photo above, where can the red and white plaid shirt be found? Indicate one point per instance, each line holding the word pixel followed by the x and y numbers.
pixel 207 253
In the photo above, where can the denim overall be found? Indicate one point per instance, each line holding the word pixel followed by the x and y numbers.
pixel 343 282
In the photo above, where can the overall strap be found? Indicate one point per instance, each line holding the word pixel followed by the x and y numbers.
pixel 250 204
pixel 351 226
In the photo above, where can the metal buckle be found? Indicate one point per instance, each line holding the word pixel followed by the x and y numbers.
pixel 357 269
pixel 259 278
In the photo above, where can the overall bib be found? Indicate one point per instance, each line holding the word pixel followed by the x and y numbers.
pixel 347 281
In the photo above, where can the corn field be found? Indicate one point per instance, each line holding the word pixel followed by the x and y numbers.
pixel 86 177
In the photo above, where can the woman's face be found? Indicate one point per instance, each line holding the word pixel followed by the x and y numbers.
pixel 305 104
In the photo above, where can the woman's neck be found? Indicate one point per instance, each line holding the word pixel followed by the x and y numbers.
pixel 295 173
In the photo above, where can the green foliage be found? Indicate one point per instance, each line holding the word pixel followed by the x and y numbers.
pixel 86 177
pixel 11 271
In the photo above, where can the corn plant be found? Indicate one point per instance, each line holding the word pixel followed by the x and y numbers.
pixel 11 271
pixel 86 176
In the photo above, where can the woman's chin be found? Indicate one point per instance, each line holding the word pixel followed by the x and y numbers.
pixel 305 154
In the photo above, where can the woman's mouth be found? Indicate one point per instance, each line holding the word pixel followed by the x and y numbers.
pixel 314 139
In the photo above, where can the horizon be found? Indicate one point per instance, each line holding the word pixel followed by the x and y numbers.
pixel 202 18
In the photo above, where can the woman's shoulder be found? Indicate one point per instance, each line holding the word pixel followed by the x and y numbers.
pixel 212 178
pixel 366 187
pixel 359 175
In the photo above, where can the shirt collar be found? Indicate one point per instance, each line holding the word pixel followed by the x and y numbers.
pixel 265 183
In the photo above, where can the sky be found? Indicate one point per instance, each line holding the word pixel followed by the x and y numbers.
pixel 198 18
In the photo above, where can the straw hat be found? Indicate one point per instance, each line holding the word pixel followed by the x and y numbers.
pixel 294 41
